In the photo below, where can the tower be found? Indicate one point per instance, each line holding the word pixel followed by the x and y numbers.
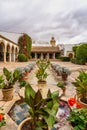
pixel 52 41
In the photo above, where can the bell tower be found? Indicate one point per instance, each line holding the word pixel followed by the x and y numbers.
pixel 52 41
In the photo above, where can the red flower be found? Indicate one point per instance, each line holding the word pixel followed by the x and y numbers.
pixel 79 105
pixel 1 117
pixel 71 101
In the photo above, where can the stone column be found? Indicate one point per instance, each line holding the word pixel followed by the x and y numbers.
pixel 41 55
pixel 13 57
pixel 5 54
pixel 9 56
pixel 35 55
pixel 47 55
pixel 53 55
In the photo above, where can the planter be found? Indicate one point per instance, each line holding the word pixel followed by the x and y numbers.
pixel 25 78
pixel 86 63
pixel 26 73
pixel 23 123
pixel 7 94
pixel 64 76
pixel 64 90
pixel 83 104
pixel 41 81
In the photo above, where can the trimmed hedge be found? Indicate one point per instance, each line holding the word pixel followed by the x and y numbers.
pixel 22 58
pixel 76 61
pixel 65 58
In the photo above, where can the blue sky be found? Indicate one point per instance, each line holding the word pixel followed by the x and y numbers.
pixel 66 20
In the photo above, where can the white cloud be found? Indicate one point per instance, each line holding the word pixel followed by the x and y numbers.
pixel 66 20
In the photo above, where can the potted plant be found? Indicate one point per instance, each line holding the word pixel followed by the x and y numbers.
pixel 41 73
pixel 78 115
pixel 62 86
pixel 2 118
pixel 78 119
pixel 7 81
pixel 81 87
pixel 42 111
pixel 64 73
pixel 22 75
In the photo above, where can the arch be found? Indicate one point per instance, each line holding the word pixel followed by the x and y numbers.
pixel 16 53
pixel 8 50
pixel 12 53
pixel 2 47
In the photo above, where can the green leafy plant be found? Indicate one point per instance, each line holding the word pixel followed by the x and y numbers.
pixel 2 118
pixel 81 86
pixel 42 110
pixel 81 53
pixel 25 45
pixel 78 119
pixel 61 84
pixel 8 79
pixel 41 74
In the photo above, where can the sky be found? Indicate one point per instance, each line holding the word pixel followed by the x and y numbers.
pixel 66 20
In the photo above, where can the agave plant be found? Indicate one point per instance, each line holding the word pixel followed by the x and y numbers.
pixel 81 86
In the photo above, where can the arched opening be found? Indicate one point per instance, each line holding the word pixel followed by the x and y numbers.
pixel 12 54
pixel 70 55
pixel 1 51
pixel 50 55
pixel 8 52
pixel 38 55
pixel 44 55
pixel 16 54
pixel 32 55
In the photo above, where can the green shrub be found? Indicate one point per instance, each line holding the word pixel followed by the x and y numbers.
pixel 65 58
pixel 22 58
pixel 74 48
pixel 81 53
pixel 73 60
pixel 77 61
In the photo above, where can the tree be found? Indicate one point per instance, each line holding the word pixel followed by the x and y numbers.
pixel 74 48
pixel 81 52
pixel 25 44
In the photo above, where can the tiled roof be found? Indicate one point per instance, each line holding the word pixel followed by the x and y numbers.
pixel 45 49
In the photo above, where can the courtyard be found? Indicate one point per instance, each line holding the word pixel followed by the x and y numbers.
pixel 51 84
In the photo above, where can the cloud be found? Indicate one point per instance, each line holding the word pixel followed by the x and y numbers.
pixel 66 20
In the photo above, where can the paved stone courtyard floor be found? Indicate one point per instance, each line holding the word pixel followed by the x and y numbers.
pixel 51 82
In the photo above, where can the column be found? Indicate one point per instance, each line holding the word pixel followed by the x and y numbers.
pixel 9 56
pixel 35 55
pixel 5 54
pixel 53 55
pixel 47 55
pixel 41 55
pixel 14 57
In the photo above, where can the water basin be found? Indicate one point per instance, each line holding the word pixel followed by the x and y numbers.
pixel 19 112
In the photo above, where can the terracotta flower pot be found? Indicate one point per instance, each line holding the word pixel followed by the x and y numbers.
pixel 41 81
pixel 64 90
pixel 83 104
pixel 64 76
pixel 23 122
pixel 7 94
